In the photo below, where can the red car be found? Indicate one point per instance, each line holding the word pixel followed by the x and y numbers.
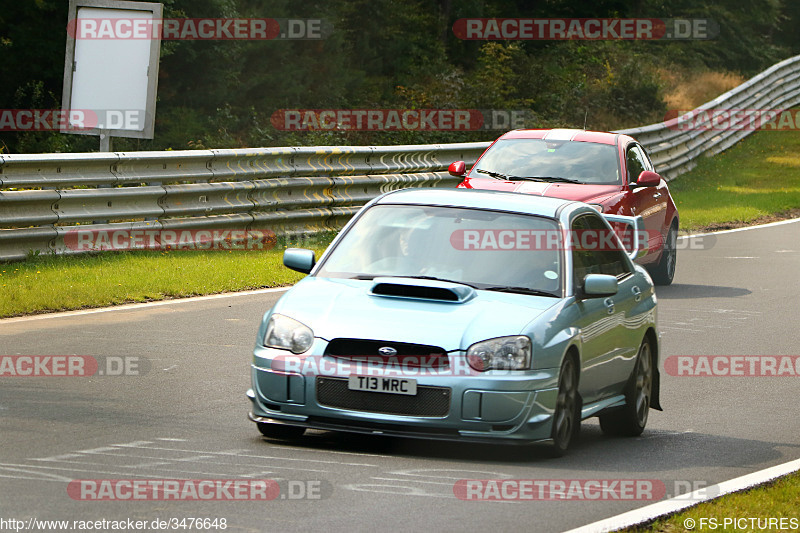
pixel 608 170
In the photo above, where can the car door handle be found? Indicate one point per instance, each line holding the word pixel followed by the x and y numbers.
pixel 609 305
pixel 657 195
pixel 637 293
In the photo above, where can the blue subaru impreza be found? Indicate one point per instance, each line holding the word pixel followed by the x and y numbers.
pixel 463 315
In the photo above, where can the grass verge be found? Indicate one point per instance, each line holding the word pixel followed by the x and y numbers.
pixel 776 499
pixel 756 181
pixel 58 283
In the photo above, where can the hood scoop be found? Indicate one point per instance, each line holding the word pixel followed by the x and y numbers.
pixel 422 289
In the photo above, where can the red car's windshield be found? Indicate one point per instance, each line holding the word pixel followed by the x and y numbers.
pixel 585 162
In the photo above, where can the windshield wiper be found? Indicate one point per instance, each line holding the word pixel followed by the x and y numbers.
pixel 497 175
pixel 554 178
pixel 506 177
pixel 520 290
pixel 530 178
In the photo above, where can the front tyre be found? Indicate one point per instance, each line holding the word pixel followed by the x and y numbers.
pixel 280 431
pixel 630 420
pixel 566 418
pixel 664 272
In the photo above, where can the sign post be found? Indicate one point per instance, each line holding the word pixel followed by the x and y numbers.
pixel 110 70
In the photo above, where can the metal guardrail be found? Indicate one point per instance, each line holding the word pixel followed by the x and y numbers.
pixel 675 150
pixel 44 197
pixel 284 190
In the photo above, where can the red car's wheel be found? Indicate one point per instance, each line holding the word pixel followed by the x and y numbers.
pixel 664 272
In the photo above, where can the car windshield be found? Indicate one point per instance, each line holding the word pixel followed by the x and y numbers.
pixel 585 162
pixel 485 249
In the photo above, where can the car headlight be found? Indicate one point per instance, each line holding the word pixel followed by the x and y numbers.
pixel 288 334
pixel 502 353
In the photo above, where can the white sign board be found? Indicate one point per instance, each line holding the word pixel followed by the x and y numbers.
pixel 110 81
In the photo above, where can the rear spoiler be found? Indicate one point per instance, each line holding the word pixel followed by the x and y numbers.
pixel 639 244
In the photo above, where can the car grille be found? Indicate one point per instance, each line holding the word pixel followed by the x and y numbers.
pixel 429 401
pixel 408 355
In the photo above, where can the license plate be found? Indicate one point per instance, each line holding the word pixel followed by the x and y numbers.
pixel 379 384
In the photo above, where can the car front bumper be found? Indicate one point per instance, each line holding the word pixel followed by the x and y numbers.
pixel 512 406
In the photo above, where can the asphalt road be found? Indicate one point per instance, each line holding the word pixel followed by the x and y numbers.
pixel 186 416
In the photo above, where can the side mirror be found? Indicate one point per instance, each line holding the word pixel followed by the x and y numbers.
pixel 599 285
pixel 457 169
pixel 648 178
pixel 299 259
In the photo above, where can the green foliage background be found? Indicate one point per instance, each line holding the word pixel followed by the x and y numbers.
pixel 391 54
